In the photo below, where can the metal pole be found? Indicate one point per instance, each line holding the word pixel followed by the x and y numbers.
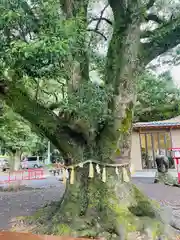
pixel 49 153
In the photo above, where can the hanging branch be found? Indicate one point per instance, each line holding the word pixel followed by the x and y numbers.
pixel 98 32
pixel 101 19
pixel 101 15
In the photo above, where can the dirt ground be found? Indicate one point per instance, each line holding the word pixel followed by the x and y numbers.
pixel 24 203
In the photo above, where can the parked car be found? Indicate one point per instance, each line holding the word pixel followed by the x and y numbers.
pixel 4 164
pixel 32 162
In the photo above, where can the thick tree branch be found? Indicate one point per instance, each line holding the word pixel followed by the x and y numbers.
pixel 119 8
pixel 163 39
pixel 67 6
pixel 41 118
pixel 122 68
pixel 155 18
pixel 78 8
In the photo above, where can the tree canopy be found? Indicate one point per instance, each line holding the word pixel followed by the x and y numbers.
pixel 158 98
pixel 16 134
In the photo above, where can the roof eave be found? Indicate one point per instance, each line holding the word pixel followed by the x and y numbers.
pixel 155 127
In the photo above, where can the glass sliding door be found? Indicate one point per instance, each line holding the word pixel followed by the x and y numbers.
pixel 152 143
pixel 147 150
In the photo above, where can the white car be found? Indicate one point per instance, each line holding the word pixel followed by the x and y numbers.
pixel 4 165
pixel 31 162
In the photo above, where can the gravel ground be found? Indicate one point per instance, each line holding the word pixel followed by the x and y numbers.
pixel 167 196
pixel 164 194
pixel 24 203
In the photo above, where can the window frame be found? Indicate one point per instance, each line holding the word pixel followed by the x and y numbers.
pixel 151 133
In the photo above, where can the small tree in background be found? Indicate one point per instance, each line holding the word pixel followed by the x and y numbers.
pixel 17 138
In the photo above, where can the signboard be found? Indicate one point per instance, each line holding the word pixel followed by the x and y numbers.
pixel 176 156
pixel 177 153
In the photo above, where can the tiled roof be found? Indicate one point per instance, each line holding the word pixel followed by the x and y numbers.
pixel 156 124
pixel 172 122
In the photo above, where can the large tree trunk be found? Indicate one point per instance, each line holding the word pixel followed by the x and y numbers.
pixel 111 209
pixel 15 160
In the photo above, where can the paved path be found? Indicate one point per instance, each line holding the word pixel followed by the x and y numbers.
pixel 150 173
pixel 160 192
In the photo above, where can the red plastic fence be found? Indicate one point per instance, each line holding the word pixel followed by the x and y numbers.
pixel 30 174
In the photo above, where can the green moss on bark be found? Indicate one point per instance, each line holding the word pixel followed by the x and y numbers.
pixel 127 121
pixel 142 206
pixel 114 209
